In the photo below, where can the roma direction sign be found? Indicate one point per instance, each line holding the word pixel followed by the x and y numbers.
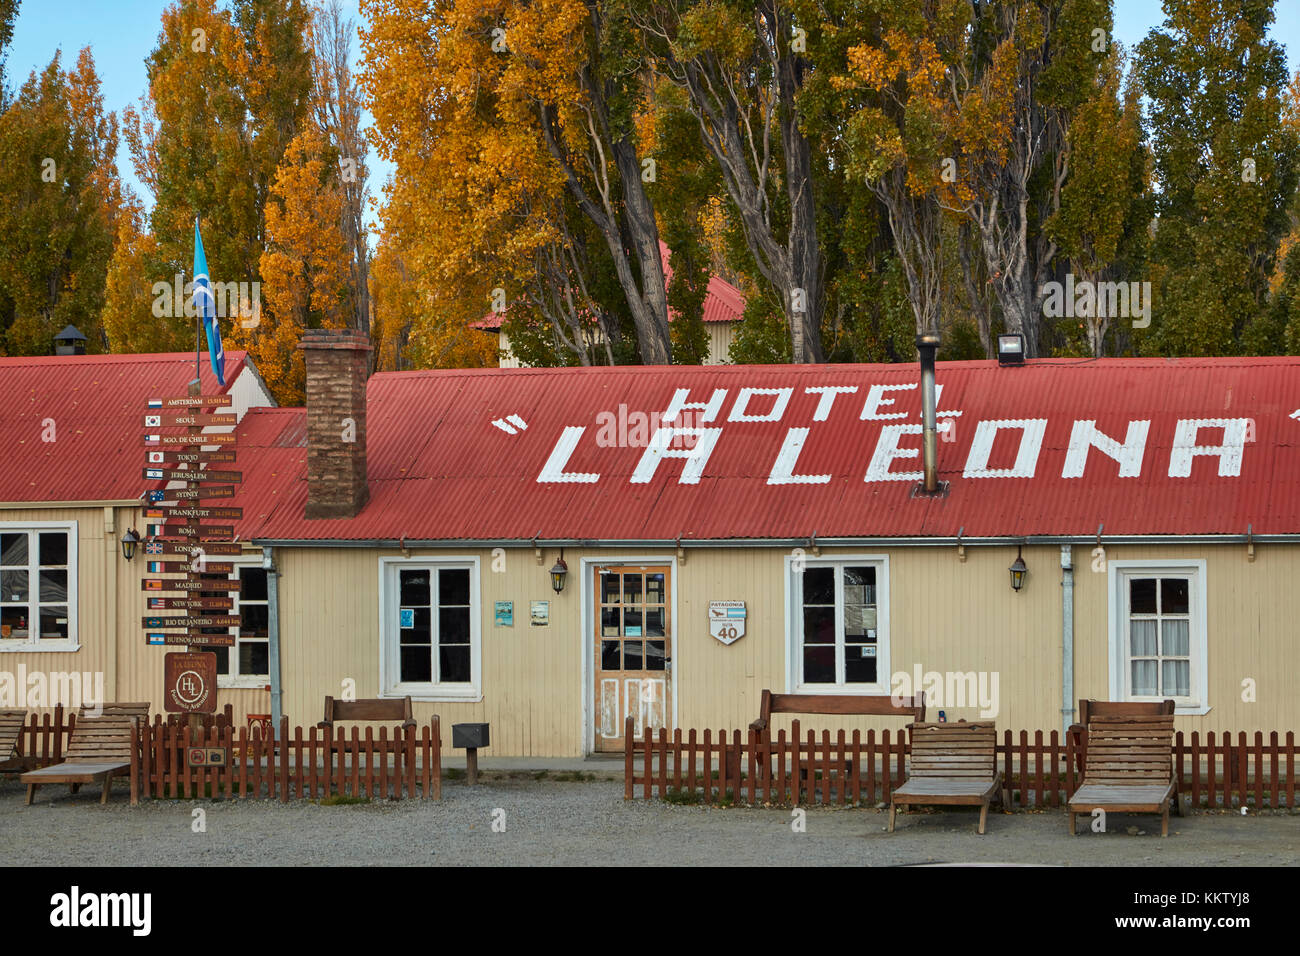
pixel 183 401
pixel 176 419
pixel 220 532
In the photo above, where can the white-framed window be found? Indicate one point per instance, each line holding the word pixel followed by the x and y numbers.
pixel 247 663
pixel 38 586
pixel 838 624
pixel 429 628
pixel 1158 632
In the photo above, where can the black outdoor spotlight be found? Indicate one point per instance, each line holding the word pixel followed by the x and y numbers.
pixel 129 541
pixel 1011 349
pixel 558 573
pixel 1018 572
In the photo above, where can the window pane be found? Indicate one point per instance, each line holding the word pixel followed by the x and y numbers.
pixel 1142 638
pixel 654 622
pixel 654 655
pixel 453 664
pixel 223 658
pixel 13 549
pixel 422 633
pixel 609 655
pixel 54 586
pixel 13 585
pixel 632 655
pixel 1142 596
pixel 54 622
pixel 254 619
pixel 453 625
pixel 860 585
pixel 13 621
pixel 1176 678
pixel 252 584
pixel 819 664
pixel 609 623
pixel 54 548
pixel 1173 596
pixel 859 669
pixel 453 586
pixel 819 625
pixel 417 664
pixel 1175 638
pixel 819 586
pixel 253 658
pixel 1144 678
pixel 414 587
pixel 858 620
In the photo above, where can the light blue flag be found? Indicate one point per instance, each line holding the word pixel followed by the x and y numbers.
pixel 207 308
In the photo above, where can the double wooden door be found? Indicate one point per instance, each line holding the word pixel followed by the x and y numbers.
pixel 633 651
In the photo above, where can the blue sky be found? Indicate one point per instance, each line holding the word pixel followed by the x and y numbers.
pixel 121 33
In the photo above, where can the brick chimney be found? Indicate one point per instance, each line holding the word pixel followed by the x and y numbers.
pixel 337 360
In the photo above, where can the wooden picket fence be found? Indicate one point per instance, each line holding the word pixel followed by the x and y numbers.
pixel 316 766
pixel 323 763
pixel 1039 771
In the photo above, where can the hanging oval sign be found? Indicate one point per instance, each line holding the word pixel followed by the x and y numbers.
pixel 727 620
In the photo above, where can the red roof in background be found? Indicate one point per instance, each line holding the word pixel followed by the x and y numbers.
pixel 723 302
pixel 440 469
pixel 97 406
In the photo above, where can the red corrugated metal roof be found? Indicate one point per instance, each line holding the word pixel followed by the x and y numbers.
pixel 723 302
pixel 95 405
pixel 441 469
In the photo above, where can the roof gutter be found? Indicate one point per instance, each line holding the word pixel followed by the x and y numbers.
pixel 938 542
pixel 111 503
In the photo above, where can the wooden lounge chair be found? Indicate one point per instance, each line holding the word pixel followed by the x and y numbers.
pixel 100 749
pixel 1130 768
pixel 11 728
pixel 951 764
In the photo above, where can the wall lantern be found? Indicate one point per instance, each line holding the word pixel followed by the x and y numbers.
pixel 558 573
pixel 129 541
pixel 1018 572
pixel 1011 349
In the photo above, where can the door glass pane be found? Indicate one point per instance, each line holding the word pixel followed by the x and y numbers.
pixel 1142 596
pixel 1173 596
pixel 1175 638
pixel 819 664
pixel 609 655
pixel 632 655
pixel 654 589
pixel 609 624
pixel 54 548
pixel 1176 678
pixel 1144 678
pixel 632 621
pixel 609 588
pixel 654 655
pixel 654 622
pixel 13 549
pixel 631 589
pixel 1142 638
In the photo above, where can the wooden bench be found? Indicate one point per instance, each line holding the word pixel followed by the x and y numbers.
pixel 372 708
pixel 99 750
pixel 954 764
pixel 845 705
pixel 1115 708
pixel 1130 768
pixel 11 729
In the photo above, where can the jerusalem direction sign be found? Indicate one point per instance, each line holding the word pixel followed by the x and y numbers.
pixel 176 474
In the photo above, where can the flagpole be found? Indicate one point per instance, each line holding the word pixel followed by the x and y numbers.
pixel 198 328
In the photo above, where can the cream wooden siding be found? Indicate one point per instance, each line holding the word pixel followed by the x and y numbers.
pixel 945 614
pixel 720 338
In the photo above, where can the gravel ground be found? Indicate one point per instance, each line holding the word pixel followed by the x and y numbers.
pixel 552 822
